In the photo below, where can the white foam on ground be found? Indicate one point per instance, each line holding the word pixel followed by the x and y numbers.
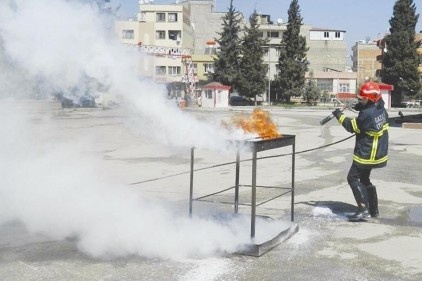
pixel 207 269
pixel 300 238
pixel 323 212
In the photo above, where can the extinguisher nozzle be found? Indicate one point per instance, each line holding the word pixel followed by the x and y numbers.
pixel 326 119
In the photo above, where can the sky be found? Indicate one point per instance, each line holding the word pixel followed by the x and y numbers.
pixel 361 19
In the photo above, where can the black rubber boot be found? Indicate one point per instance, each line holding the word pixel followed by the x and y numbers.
pixel 373 200
pixel 361 197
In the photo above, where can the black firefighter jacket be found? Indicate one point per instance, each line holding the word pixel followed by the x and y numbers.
pixel 371 128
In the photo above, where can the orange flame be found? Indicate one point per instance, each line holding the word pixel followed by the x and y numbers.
pixel 259 122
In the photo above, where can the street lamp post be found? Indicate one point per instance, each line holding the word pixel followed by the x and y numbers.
pixel 270 35
pixel 338 75
pixel 269 67
pixel 269 75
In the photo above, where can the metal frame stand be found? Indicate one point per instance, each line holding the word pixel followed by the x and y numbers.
pixel 257 146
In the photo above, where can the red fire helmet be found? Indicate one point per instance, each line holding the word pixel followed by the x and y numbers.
pixel 370 91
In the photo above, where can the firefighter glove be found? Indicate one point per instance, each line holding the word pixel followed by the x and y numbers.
pixel 337 113
pixel 358 107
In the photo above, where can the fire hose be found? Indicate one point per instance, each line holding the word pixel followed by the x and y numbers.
pixel 231 163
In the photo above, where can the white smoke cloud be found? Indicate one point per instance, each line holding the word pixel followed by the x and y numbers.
pixel 52 185
pixel 59 190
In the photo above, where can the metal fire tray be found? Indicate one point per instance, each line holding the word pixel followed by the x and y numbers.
pixel 259 144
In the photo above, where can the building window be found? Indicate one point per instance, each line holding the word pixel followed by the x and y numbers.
pixel 325 85
pixel 175 35
pixel 177 93
pixel 161 17
pixel 210 50
pixel 208 94
pixel 273 34
pixel 344 88
pixel 174 70
pixel 128 34
pixel 326 34
pixel 160 70
pixel 195 68
pixel 209 67
pixel 337 34
pixel 160 34
pixel 172 17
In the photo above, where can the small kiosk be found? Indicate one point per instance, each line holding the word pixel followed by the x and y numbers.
pixel 386 93
pixel 215 95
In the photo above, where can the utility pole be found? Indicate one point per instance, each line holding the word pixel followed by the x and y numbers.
pixel 269 68
pixel 269 75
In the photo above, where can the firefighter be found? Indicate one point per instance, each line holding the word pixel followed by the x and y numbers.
pixel 371 147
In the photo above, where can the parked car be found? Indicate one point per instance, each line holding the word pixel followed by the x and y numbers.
pixel 240 101
pixel 85 101
pixel 410 104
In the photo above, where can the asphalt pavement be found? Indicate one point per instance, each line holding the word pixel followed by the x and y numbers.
pixel 326 246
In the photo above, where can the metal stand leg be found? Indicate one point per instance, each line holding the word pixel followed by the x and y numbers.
pixel 253 205
pixel 191 181
pixel 236 187
pixel 293 184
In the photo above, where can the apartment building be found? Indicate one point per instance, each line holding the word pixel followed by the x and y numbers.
pixel 366 61
pixel 368 55
pixel 180 40
pixel 327 55
pixel 329 62
pixel 206 23
pixel 164 34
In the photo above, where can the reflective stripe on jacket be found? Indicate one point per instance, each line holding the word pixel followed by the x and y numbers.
pixel 371 128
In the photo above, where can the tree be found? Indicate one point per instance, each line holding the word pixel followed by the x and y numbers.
pixel 401 61
pixel 311 93
pixel 325 96
pixel 108 7
pixel 226 63
pixel 252 79
pixel 292 59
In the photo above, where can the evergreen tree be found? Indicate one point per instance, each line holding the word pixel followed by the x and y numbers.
pixel 290 79
pixel 252 80
pixel 401 61
pixel 108 6
pixel 226 63
pixel 311 93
